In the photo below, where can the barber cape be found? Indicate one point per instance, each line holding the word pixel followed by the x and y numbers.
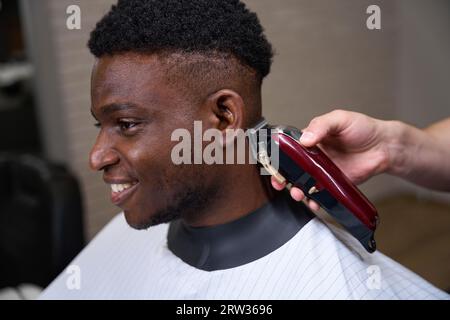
pixel 279 251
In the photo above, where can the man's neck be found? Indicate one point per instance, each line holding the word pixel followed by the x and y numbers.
pixel 247 191
pixel 241 241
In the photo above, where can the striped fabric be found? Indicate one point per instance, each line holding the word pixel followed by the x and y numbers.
pixel 319 262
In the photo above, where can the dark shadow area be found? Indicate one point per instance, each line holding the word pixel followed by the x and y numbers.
pixel 18 121
pixel 41 225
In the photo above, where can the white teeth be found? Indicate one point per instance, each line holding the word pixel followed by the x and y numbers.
pixel 120 187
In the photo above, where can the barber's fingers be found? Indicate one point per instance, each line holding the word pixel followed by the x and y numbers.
pixel 314 206
pixel 277 186
pixel 297 194
pixel 331 123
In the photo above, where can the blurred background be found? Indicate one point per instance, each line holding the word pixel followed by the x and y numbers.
pixel 326 58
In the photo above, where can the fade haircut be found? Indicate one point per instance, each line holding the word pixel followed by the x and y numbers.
pixel 210 42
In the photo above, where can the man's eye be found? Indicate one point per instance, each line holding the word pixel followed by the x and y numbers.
pixel 97 125
pixel 126 125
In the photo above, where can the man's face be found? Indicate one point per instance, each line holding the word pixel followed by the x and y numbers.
pixel 137 112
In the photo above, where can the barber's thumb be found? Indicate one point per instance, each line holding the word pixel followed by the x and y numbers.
pixel 308 138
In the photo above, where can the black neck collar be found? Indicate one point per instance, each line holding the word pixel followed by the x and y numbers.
pixel 241 241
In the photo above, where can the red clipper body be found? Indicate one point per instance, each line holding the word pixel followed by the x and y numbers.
pixel 318 177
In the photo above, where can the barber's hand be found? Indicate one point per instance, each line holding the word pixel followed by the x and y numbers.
pixel 353 141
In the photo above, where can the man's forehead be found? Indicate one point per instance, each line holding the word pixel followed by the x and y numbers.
pixel 127 76
pixel 113 70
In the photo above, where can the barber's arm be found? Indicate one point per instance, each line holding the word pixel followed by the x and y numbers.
pixel 362 147
pixel 423 156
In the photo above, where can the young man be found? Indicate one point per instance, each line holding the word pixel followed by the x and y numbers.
pixel 161 65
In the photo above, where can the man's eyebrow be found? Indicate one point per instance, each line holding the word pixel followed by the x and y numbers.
pixel 114 107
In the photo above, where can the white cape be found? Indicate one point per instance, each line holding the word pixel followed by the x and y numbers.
pixel 319 262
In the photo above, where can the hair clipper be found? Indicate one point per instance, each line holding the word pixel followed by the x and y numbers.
pixel 317 176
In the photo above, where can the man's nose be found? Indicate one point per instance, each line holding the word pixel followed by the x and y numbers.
pixel 102 154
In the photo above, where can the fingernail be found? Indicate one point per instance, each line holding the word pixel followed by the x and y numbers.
pixel 296 195
pixel 306 137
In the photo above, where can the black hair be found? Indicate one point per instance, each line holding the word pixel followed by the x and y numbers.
pixel 184 26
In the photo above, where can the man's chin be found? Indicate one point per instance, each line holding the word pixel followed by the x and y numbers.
pixel 142 222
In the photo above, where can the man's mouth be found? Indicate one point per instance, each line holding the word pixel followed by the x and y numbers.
pixel 122 191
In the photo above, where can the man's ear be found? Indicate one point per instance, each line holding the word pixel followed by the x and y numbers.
pixel 226 109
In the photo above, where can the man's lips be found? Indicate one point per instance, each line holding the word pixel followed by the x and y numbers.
pixel 121 190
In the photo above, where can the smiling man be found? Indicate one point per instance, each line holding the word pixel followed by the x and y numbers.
pixel 202 231
pixel 139 99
